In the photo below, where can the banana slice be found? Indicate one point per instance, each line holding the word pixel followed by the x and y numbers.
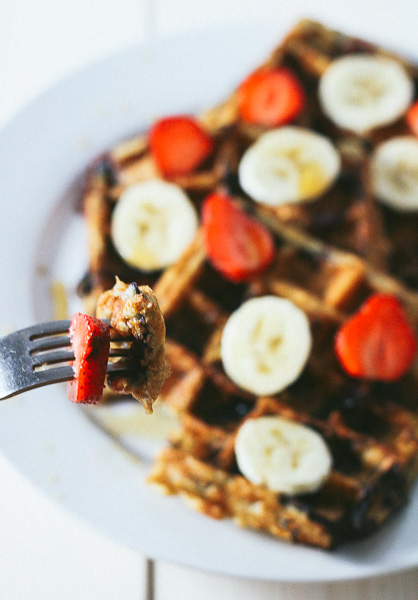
pixel 152 224
pixel 288 164
pixel 394 173
pixel 361 91
pixel 284 456
pixel 265 344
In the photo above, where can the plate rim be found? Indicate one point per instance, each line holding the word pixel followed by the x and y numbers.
pixel 5 130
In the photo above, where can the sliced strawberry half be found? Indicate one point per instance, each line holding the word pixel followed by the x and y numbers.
pixel 412 118
pixel 377 343
pixel 271 97
pixel 179 145
pixel 90 339
pixel 237 245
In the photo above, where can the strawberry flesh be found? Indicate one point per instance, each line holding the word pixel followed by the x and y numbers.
pixel 271 97
pixel 90 339
pixel 179 145
pixel 412 118
pixel 237 245
pixel 377 343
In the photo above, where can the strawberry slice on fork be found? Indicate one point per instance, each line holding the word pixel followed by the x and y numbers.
pixel 90 339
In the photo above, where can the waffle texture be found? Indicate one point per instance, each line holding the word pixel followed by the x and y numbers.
pixel 331 254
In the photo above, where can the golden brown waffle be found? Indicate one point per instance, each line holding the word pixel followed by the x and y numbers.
pixel 373 438
pixel 331 255
pixel 134 313
pixel 348 215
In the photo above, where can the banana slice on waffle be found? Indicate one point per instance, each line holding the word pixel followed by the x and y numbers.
pixel 265 344
pixel 394 171
pixel 289 164
pixel 360 92
pixel 285 456
pixel 152 224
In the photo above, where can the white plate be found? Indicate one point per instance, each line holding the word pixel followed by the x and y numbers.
pixel 51 441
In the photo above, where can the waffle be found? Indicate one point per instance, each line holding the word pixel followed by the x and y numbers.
pixel 347 216
pixel 371 429
pixel 331 255
pixel 134 314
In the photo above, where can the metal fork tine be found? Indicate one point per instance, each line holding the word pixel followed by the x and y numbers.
pixel 50 358
pixel 45 329
pixel 120 352
pixel 42 344
pixel 54 375
pixel 40 356
pixel 114 367
pixel 60 374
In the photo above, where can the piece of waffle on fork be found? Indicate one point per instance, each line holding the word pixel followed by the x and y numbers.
pixel 290 212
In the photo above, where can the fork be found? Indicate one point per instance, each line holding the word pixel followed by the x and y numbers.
pixel 28 357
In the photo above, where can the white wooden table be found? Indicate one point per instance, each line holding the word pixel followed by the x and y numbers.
pixel 44 552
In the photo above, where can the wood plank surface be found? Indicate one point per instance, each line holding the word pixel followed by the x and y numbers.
pixel 172 582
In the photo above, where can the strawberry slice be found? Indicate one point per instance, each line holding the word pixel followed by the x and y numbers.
pixel 412 118
pixel 377 342
pixel 179 145
pixel 237 245
pixel 271 98
pixel 90 340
